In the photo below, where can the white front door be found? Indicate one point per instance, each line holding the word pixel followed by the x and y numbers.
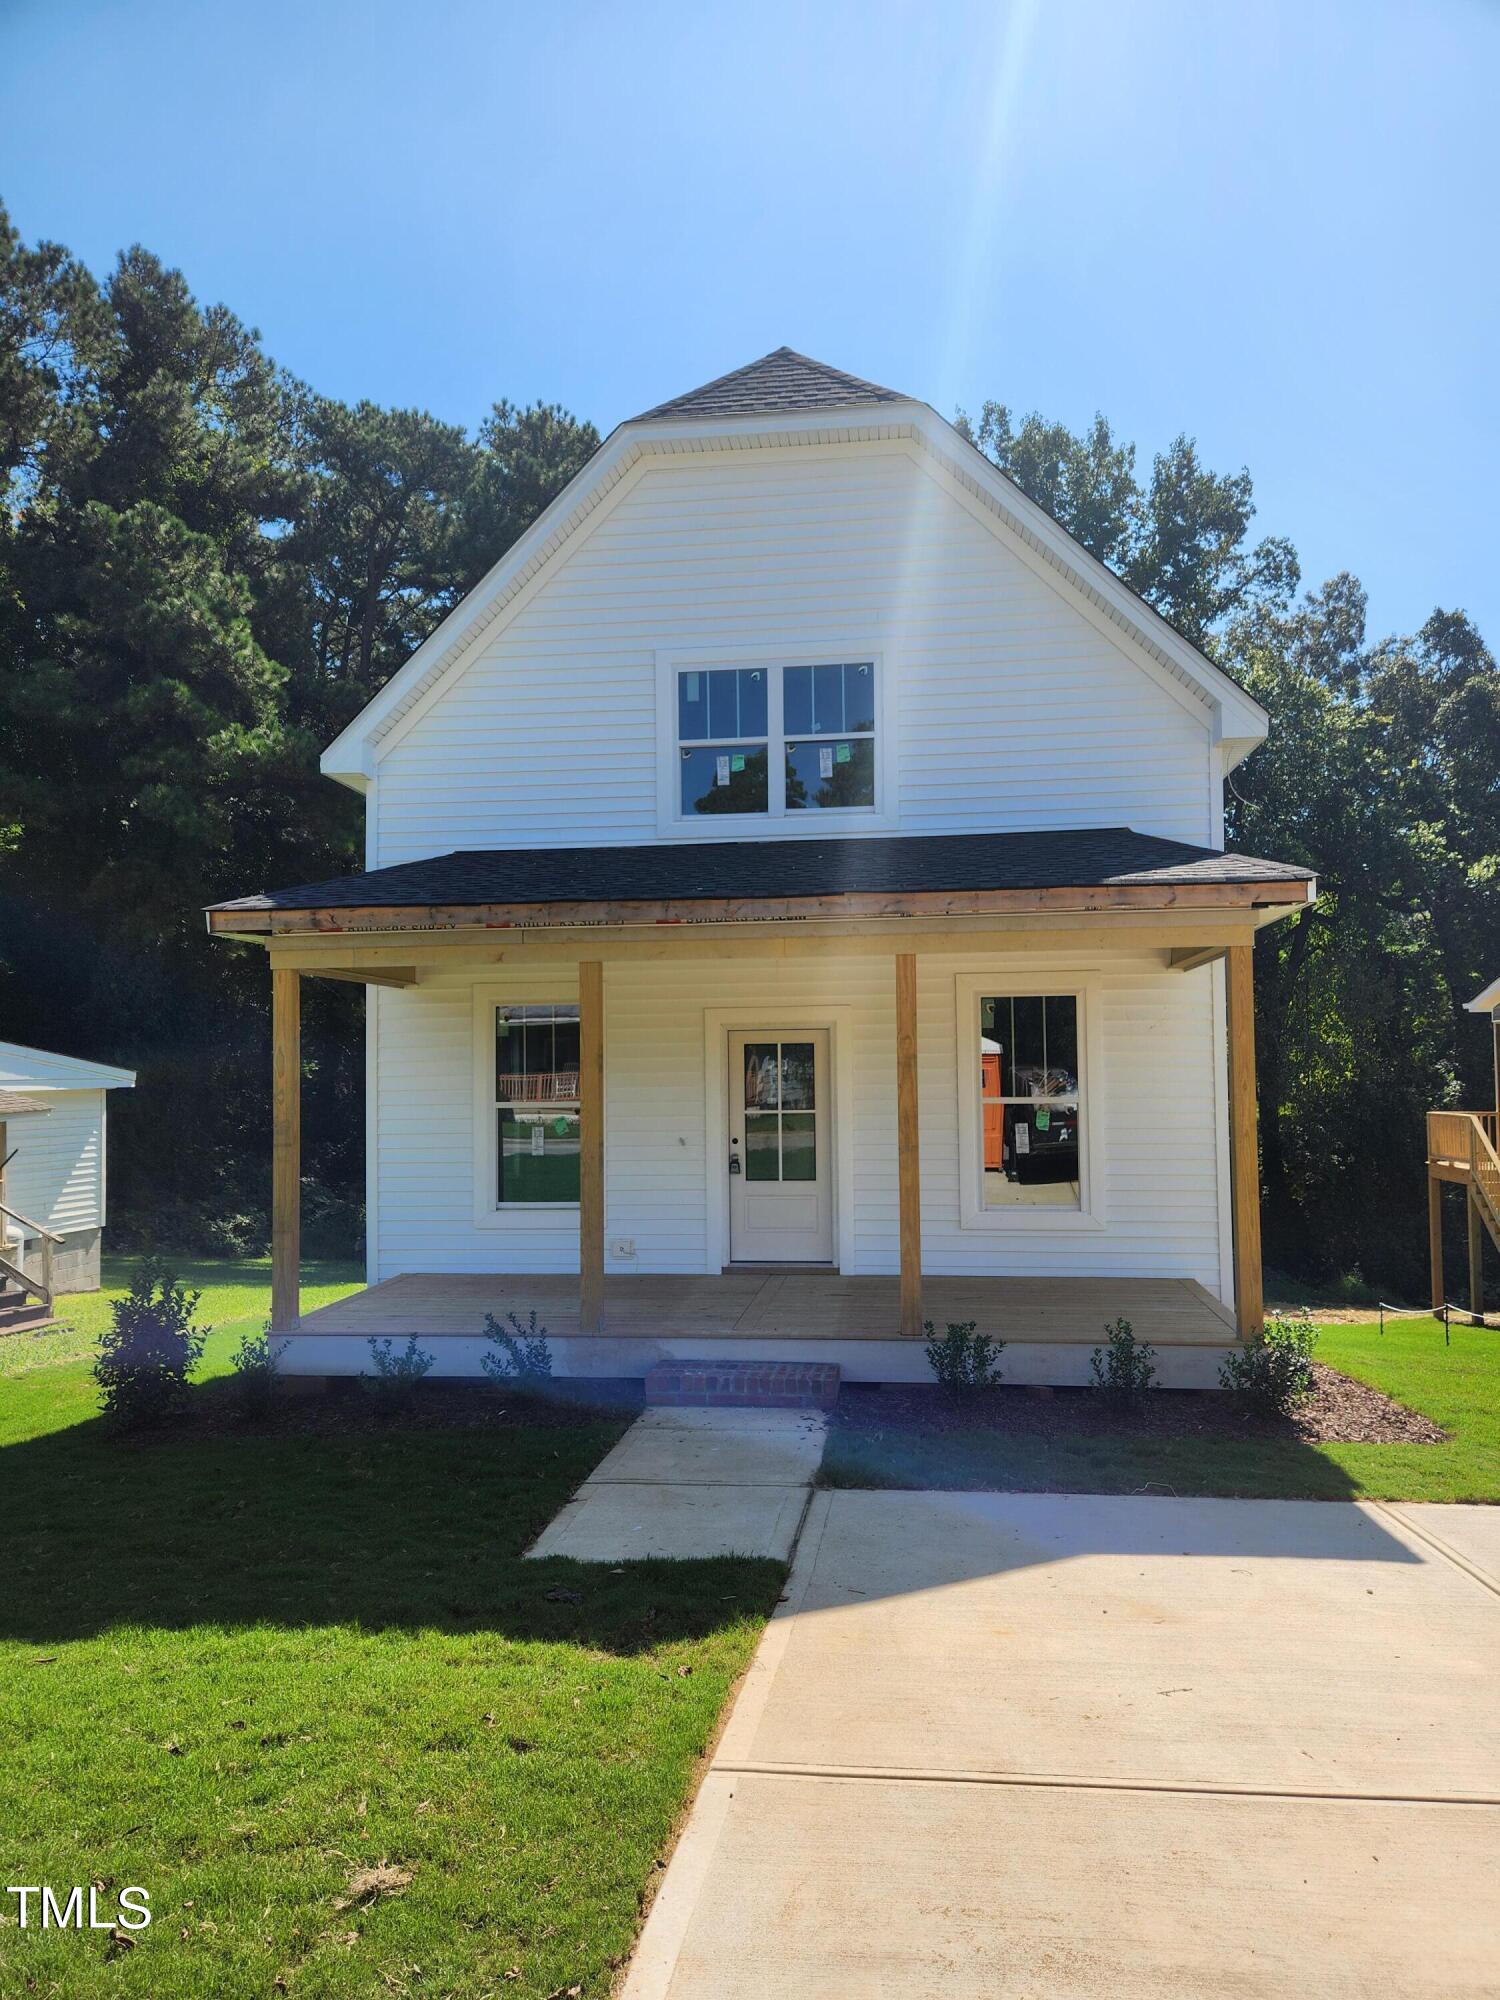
pixel 780 1148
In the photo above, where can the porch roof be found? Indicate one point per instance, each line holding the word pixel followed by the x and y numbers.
pixel 729 880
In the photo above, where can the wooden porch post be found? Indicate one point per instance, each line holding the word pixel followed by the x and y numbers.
pixel 1244 1146
pixel 286 1149
pixel 1476 1258
pixel 590 1144
pixel 908 1154
pixel 1435 1237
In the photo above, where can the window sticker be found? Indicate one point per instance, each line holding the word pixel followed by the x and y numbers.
pixel 538 1139
pixel 825 761
pixel 845 752
pixel 1044 1120
pixel 721 770
pixel 560 1127
pixel 737 761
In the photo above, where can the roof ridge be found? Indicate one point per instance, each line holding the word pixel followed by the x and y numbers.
pixel 784 379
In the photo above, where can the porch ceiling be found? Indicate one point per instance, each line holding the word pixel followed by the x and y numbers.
pixel 780 1305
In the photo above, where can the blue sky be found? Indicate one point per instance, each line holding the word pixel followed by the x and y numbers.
pixel 1272 226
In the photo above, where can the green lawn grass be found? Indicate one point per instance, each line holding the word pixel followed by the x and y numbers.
pixel 1458 1386
pixel 236 1670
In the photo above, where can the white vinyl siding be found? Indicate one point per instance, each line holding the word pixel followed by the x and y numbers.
pixel 1009 709
pixel 57 1176
pixel 1157 1210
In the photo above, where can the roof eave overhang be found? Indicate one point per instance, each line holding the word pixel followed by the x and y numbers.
pixel 1197 898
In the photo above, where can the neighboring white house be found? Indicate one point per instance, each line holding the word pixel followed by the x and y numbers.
pixel 53 1119
pixel 795 906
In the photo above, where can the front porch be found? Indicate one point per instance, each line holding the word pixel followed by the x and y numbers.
pixel 1050 1325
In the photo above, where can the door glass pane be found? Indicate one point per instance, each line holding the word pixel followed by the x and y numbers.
pixel 799 1146
pixel 797 1074
pixel 760 1076
pixel 762 1150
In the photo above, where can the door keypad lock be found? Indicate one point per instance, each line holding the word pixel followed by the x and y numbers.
pixel 734 1158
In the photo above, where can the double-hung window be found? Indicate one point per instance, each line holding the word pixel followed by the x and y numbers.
pixel 1030 1101
pixel 767 741
pixel 536 1105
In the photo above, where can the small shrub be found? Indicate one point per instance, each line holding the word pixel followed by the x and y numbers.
pixel 394 1383
pixel 524 1358
pixel 257 1373
pixel 1124 1367
pixel 152 1347
pixel 1274 1374
pixel 963 1361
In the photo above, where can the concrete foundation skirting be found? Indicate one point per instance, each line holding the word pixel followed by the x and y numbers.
pixel 75 1261
pixel 1063 1364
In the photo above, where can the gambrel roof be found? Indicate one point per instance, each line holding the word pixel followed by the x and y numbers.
pixel 784 401
pixel 781 380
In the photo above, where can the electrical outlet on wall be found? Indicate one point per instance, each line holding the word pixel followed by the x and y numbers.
pixel 622 1246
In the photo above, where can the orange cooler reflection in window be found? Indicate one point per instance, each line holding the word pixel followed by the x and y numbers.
pixel 994 1114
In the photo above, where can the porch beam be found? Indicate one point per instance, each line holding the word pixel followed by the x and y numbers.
pixel 1188 958
pixel 1122 930
pixel 369 975
pixel 286 1149
pixel 590 1144
pixel 908 1148
pixel 351 920
pixel 1244 1146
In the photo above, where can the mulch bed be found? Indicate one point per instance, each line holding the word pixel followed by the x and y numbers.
pixel 1340 1411
pixel 346 1409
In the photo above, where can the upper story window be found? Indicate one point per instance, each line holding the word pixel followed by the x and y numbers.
pixel 772 740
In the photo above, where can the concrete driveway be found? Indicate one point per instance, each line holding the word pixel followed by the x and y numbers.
pixel 1067 1747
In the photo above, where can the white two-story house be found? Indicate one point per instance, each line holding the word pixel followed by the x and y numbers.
pixel 795 908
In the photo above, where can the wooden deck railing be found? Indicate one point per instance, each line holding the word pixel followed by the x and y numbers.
pixel 1484 1173
pixel 1449 1134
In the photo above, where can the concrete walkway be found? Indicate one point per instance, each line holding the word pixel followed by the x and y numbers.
pixel 691 1482
pixel 1044 1747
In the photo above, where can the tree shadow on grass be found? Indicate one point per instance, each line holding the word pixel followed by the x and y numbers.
pixel 409 1529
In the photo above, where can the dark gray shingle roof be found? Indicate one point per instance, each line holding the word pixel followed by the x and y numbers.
pixel 1084 857
pixel 783 380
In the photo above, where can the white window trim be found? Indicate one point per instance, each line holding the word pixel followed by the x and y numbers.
pixel 559 988
pixel 776 823
pixel 969 989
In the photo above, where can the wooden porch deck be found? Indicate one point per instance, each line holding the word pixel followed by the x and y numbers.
pixel 780 1305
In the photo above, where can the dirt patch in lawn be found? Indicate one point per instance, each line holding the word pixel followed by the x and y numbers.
pixel 346 1408
pixel 1340 1411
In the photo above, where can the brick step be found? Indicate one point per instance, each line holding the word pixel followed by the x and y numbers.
pixel 754 1385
